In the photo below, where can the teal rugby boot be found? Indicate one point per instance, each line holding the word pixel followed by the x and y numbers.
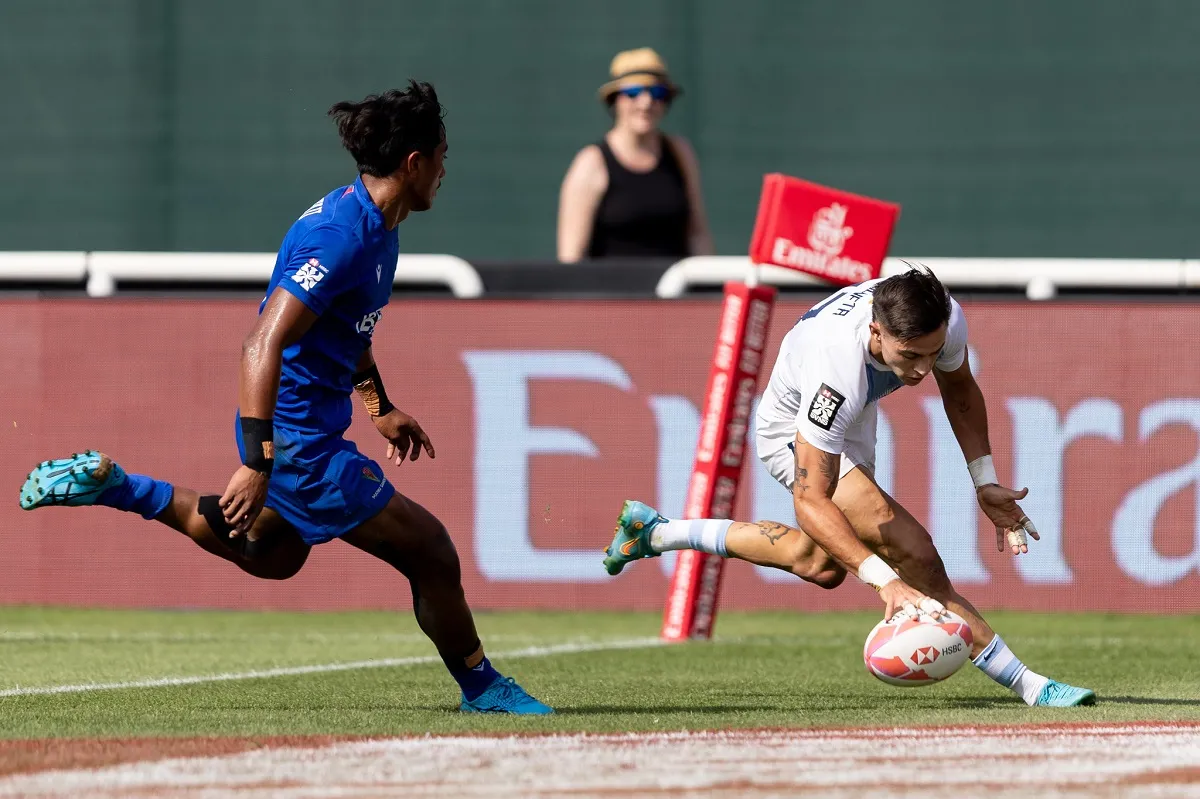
pixel 632 536
pixel 1057 694
pixel 74 481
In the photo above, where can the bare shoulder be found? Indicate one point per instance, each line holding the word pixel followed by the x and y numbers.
pixel 686 153
pixel 587 170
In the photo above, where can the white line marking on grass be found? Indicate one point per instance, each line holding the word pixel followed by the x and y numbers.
pixel 70 637
pixel 324 668
pixel 1078 763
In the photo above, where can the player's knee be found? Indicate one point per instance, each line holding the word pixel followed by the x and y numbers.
pixel 817 568
pixel 829 578
pixel 439 557
pixel 879 511
pixel 285 568
pixel 282 564
pixel 923 569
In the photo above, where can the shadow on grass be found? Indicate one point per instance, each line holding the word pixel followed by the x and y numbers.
pixel 1146 700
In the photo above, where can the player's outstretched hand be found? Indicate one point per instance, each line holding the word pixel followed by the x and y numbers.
pixel 1012 525
pixel 405 437
pixel 902 597
pixel 243 499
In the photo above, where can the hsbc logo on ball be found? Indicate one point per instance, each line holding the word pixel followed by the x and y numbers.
pixel 825 232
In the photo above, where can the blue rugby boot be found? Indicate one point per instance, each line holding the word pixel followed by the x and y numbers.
pixel 73 481
pixel 1057 694
pixel 505 696
pixel 632 539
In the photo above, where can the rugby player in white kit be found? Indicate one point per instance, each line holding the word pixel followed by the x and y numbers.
pixel 815 432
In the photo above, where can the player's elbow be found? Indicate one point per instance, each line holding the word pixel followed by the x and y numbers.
pixel 255 347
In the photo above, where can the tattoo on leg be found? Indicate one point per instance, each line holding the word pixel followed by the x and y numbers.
pixel 773 531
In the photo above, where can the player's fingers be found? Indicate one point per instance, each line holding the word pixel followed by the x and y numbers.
pixel 250 518
pixel 236 518
pixel 931 607
pixel 427 444
pixel 999 539
pixel 910 609
pixel 1015 494
pixel 889 611
pixel 1017 541
pixel 1029 528
pixel 229 506
pixel 391 451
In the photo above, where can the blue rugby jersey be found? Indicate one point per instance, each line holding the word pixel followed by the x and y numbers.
pixel 340 261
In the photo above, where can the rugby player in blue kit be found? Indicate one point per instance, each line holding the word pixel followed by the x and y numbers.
pixel 301 483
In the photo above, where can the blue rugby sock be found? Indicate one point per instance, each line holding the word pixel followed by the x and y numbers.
pixel 139 494
pixel 473 681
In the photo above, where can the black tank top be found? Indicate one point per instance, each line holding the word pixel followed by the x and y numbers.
pixel 642 213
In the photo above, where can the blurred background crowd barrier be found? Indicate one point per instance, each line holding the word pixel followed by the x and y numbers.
pixel 546 415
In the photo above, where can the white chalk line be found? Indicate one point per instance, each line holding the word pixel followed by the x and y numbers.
pixel 326 668
pixel 899 763
pixel 116 636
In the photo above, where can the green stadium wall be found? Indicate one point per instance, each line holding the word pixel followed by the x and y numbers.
pixel 1055 129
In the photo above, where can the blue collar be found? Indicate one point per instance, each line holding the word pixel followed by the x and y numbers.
pixel 364 198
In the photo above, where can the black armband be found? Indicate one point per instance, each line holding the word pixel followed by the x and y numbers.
pixel 258 441
pixel 369 386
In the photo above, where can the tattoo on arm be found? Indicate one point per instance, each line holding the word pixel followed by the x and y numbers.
pixel 800 482
pixel 964 405
pixel 773 531
pixel 829 469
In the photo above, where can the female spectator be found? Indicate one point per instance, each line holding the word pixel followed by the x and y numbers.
pixel 636 192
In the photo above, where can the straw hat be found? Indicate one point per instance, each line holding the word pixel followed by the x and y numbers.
pixel 641 67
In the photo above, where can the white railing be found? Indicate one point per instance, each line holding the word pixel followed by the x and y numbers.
pixel 104 271
pixel 1039 278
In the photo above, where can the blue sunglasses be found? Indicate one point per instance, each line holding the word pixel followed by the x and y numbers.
pixel 657 91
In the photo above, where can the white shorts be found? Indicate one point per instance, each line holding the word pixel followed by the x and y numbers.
pixel 858 449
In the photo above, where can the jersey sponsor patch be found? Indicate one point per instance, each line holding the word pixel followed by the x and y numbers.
pixel 825 405
pixel 309 274
pixel 367 325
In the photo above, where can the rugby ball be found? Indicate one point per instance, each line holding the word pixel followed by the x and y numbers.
pixel 909 651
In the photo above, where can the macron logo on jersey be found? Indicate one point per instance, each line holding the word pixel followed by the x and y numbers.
pixel 310 274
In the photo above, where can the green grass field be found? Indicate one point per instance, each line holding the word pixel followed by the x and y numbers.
pixel 761 670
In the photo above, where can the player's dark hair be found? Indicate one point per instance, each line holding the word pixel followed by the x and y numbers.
pixel 384 129
pixel 911 304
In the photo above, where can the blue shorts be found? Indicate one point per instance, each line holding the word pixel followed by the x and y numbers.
pixel 321 484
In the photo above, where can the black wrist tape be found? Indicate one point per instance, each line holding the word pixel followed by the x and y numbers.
pixel 369 386
pixel 258 440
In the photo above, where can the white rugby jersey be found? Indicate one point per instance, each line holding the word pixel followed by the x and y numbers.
pixel 825 377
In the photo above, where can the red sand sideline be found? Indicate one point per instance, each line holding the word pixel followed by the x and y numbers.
pixel 59 753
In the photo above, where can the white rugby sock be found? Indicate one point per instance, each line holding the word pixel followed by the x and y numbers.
pixel 702 535
pixel 998 662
